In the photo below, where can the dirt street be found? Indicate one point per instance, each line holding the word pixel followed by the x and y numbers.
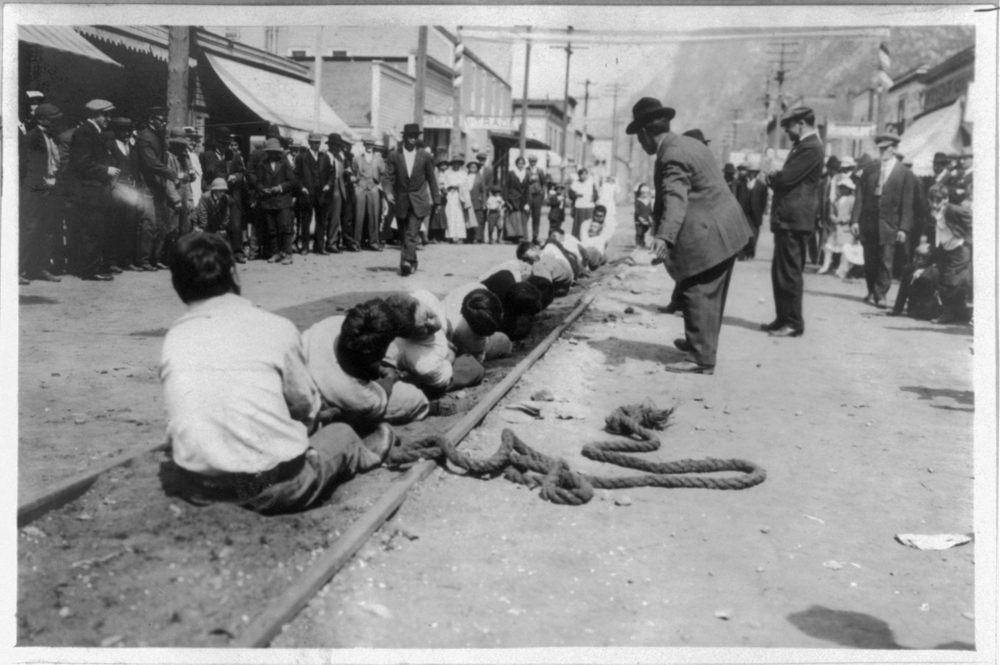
pixel 860 443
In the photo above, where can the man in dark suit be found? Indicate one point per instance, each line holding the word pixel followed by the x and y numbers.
pixel 275 181
pixel 41 202
pixel 336 189
pixel 151 146
pixel 752 197
pixel 368 171
pixel 883 215
pixel 91 165
pixel 411 185
pixel 536 194
pixel 312 169
pixel 793 219
pixel 698 229
pixel 132 216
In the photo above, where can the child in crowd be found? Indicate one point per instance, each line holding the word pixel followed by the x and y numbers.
pixel 494 204
pixel 643 214
pixel 843 240
pixel 557 207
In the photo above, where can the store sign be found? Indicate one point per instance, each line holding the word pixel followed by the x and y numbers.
pixel 850 130
pixel 438 121
pixel 498 123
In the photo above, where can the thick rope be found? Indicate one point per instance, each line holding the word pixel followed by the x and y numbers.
pixel 522 464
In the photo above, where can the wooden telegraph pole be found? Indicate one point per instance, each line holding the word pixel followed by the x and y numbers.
pixel 421 75
pixel 456 89
pixel 524 102
pixel 178 53
pixel 318 81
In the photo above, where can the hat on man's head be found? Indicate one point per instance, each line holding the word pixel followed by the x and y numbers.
pixel 729 168
pixel 886 139
pixel 798 113
pixel 273 132
pixel 222 135
pixel 273 145
pixel 47 112
pixel 940 158
pixel 315 137
pixel 480 155
pixel 696 134
pixel 95 106
pixel 532 158
pixel 35 96
pixel 833 162
pixel 219 185
pixel 646 110
pixel 458 158
pixel 368 141
pixel 121 123
pixel 847 162
pixel 411 129
pixel 157 111
pixel 192 133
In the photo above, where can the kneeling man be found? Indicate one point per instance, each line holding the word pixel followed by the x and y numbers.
pixel 241 417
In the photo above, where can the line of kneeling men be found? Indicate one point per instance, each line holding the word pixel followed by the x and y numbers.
pixel 275 423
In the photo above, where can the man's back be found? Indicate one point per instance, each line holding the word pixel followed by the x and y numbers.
pixel 228 405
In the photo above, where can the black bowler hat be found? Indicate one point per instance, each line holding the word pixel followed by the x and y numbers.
pixel 798 113
pixel 411 129
pixel 646 110
pixel 696 134
pixel 833 163
pixel 941 158
pixel 729 169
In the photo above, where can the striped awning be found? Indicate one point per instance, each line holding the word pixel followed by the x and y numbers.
pixel 62 38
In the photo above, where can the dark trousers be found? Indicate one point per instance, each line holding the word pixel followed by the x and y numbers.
pixel 258 233
pixel 536 217
pixel 480 224
pixel 321 209
pixel 40 220
pixel 410 228
pixel 279 231
pixel 703 299
pixel 236 222
pixel 89 238
pixel 580 215
pixel 303 212
pixel 387 232
pixel 786 276
pixel 878 267
pixel 333 232
pixel 367 214
pixel 750 251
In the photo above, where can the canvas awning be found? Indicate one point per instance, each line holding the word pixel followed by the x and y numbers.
pixel 938 131
pixel 62 38
pixel 508 141
pixel 280 100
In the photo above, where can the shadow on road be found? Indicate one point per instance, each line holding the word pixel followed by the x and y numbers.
pixel 617 350
pixel 946 329
pixel 842 296
pixel 854 629
pixel 741 323
pixel 35 300
pixel 960 396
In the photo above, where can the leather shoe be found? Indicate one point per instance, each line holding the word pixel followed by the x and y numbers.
pixel 380 441
pixel 868 298
pixel 321 252
pixel 771 327
pixel 145 267
pixel 785 331
pixel 97 277
pixel 286 259
pixel 880 303
pixel 160 265
pixel 684 345
pixel 240 258
pixel 46 276
pixel 114 270
pixel 275 257
pixel 131 267
pixel 334 250
pixel 405 269
pixel 688 367
pixel 668 309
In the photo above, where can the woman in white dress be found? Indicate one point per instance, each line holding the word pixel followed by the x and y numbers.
pixel 456 183
pixel 584 194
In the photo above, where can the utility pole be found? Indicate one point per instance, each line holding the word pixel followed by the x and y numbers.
pixel 524 100
pixel 586 104
pixel 616 87
pixel 785 50
pixel 882 85
pixel 318 81
pixel 420 91
pixel 456 87
pixel 178 53
pixel 565 133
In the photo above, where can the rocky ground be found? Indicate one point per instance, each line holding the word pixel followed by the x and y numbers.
pixel 864 425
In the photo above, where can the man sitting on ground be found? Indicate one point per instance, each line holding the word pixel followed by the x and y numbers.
pixel 239 416
pixel 344 357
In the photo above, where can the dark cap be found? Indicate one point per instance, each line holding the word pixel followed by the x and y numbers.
pixel 940 158
pixel 696 134
pixel 646 110
pixel 411 129
pixel 799 113
pixel 886 139
pixel 47 112
pixel 121 123
pixel 729 168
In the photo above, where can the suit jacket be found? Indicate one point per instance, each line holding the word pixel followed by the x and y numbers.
pixel 694 210
pixel 478 193
pixel 337 178
pixel 313 173
pixel 213 166
pixel 131 172
pixel 489 175
pixel 758 203
pixel 879 218
pixel 35 156
pixel 418 191
pixel 796 198
pixel 515 191
pixel 89 160
pixel 368 175
pixel 283 177
pixel 536 194
pixel 152 160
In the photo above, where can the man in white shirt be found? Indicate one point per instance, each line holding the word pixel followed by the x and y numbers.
pixel 422 353
pixel 239 416
pixel 344 357
pixel 475 316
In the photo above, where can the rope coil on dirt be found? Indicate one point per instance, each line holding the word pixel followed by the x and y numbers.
pixel 520 463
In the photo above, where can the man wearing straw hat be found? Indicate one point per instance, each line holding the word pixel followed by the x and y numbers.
pixel 411 185
pixel 698 229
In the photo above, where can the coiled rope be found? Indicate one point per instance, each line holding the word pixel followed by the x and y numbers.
pixel 522 464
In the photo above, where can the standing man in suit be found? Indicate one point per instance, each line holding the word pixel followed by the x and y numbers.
pixel 411 186
pixel 41 202
pixel 698 229
pixel 90 163
pixel 132 214
pixel 152 148
pixel 793 219
pixel 336 189
pixel 368 171
pixel 883 215
pixel 312 169
pixel 536 194
pixel 275 181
